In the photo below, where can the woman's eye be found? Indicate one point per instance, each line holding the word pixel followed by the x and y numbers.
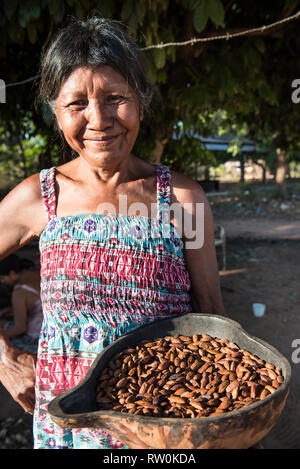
pixel 115 98
pixel 78 103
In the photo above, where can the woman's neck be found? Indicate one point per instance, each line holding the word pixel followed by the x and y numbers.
pixel 30 278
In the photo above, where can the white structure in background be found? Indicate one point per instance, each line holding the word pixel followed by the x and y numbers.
pixel 233 167
pixel 2 91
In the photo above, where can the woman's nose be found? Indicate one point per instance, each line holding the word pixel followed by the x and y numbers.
pixel 98 115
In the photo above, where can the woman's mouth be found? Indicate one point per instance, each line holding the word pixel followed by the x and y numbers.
pixel 102 141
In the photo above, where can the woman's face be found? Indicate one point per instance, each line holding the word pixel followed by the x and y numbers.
pixel 9 279
pixel 99 114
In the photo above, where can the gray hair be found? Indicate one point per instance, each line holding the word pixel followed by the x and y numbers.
pixel 92 43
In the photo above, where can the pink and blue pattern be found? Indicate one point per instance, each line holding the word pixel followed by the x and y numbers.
pixel 102 275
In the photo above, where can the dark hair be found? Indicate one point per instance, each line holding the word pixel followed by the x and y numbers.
pixel 14 262
pixel 92 43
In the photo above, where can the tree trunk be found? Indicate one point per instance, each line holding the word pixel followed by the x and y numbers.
pixel 264 169
pixel 281 169
pixel 206 173
pixel 158 151
pixel 242 166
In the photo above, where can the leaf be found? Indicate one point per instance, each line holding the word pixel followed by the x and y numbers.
pixel 215 11
pixel 140 11
pixel 24 15
pixel 126 10
pixel 32 34
pixel 54 6
pixel 16 33
pixel 59 14
pixel 200 17
pixel 10 8
pixel 260 45
pixel 107 8
pixel 171 51
pixel 161 76
pixel 151 73
pixel 132 22
pixel 79 12
pixel 159 58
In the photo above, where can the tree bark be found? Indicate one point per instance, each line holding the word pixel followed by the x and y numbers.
pixel 242 166
pixel 264 169
pixel 281 169
pixel 158 150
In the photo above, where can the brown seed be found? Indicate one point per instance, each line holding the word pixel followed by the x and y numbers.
pixel 192 347
pixel 213 402
pixel 232 385
pixel 275 384
pixel 225 402
pixel 272 374
pixel 270 388
pixel 176 400
pixel 264 394
pixel 122 383
pixel 179 391
pixel 146 404
pixel 195 365
pixel 270 366
pixel 196 404
pixel 234 393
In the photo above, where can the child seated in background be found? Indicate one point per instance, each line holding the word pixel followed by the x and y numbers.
pixel 24 278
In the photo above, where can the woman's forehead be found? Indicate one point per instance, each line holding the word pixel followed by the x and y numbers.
pixel 87 79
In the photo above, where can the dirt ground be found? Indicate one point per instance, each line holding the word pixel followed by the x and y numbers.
pixel 268 272
pixel 262 266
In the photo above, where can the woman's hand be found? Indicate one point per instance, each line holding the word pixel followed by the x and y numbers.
pixel 17 373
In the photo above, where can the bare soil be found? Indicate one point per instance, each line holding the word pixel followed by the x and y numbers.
pixel 263 263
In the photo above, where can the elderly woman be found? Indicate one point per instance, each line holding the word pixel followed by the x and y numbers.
pixel 104 271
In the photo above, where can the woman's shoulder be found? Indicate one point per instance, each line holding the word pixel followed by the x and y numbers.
pixel 26 196
pixel 185 189
pixel 19 293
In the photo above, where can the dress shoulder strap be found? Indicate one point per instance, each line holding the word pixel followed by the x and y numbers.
pixel 27 287
pixel 47 181
pixel 163 190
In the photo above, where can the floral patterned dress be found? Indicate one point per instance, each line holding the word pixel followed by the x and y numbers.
pixel 102 275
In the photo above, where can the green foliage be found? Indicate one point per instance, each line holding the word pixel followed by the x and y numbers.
pixel 249 79
pixel 200 17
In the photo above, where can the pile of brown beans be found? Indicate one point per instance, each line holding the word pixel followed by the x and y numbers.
pixel 183 376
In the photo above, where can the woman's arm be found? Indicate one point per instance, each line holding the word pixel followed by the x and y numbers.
pixel 200 252
pixel 19 308
pixel 22 218
pixel 17 373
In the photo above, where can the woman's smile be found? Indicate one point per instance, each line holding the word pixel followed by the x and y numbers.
pixel 98 113
pixel 104 142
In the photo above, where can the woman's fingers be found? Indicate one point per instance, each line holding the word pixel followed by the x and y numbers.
pixel 27 403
